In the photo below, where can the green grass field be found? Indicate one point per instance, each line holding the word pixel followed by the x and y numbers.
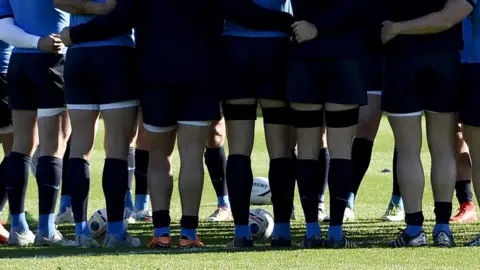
pixel 370 233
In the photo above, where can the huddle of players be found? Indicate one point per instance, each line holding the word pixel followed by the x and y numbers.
pixel 312 82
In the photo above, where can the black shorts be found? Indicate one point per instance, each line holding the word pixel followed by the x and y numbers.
pixel 372 70
pixel 416 83
pixel 254 67
pixel 326 81
pixel 469 86
pixel 100 78
pixel 5 112
pixel 35 81
pixel 166 105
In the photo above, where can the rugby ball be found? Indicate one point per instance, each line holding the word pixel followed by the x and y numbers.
pixel 98 223
pixel 261 224
pixel 261 194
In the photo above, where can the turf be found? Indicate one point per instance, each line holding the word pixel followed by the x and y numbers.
pixel 370 233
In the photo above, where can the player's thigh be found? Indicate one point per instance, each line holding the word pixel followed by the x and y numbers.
pixel 302 83
pixel 347 85
pixel 470 89
pixel 5 112
pixel 401 95
pixel 441 87
pixel 21 89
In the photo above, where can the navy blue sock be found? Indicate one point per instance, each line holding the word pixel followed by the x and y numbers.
pixel 141 169
pixel 396 187
pixel 189 225
pixel 131 170
pixel 463 190
pixel 309 182
pixel 115 185
pixel 79 180
pixel 240 179
pixel 242 231
pixel 443 212
pixel 361 156
pixel 161 222
pixel 282 186
pixel 17 180
pixel 339 180
pixel 216 162
pixel 49 177
pixel 335 232
pixel 3 180
pixel 65 199
pixel 324 160
pixel 414 223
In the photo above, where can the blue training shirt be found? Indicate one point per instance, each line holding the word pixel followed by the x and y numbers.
pixel 123 40
pixel 233 29
pixel 38 17
pixel 471 36
pixel 5 49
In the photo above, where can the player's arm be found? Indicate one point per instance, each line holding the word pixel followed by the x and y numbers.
pixel 452 13
pixel 342 15
pixel 250 15
pixel 120 20
pixel 85 6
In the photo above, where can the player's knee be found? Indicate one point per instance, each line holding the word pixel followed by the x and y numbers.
pixel 342 119
pixel 276 115
pixel 240 111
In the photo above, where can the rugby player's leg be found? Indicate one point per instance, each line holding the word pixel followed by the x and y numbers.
pixel 142 198
pixel 216 162
pixel 6 138
pixel 240 116
pixel 65 214
pixel 324 159
pixel 463 186
pixel 129 207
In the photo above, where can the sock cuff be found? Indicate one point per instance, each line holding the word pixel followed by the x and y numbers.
pixel 122 162
pixel 238 158
pixel 161 219
pixel 189 222
pixel 362 142
pixel 52 160
pixel 414 219
pixel 78 161
pixel 20 156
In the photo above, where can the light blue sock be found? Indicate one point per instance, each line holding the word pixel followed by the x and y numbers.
pixel 282 230
pixel 396 200
pixel 128 201
pixel 19 223
pixel 242 231
pixel 191 234
pixel 65 202
pixel 158 232
pixel 46 225
pixel 441 227
pixel 335 232
pixel 82 228
pixel 141 202
pixel 313 229
pixel 351 200
pixel 117 228
pixel 321 198
pixel 414 230
pixel 223 201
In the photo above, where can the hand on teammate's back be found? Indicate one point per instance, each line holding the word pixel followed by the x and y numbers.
pixel 304 31
pixel 65 36
pixel 50 43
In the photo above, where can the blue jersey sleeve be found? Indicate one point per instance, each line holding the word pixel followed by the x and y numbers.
pixel 5 9
pixel 473 2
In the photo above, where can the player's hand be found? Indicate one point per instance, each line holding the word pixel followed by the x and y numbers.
pixel 304 31
pixel 389 31
pixel 65 36
pixel 50 43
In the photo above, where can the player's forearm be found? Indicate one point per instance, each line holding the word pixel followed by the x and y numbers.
pixel 83 7
pixel 15 36
pixel 344 14
pixel 120 20
pixel 252 16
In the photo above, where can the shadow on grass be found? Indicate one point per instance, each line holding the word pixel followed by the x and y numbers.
pixel 366 233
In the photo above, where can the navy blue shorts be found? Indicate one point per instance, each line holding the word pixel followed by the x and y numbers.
pixel 35 81
pixel 326 81
pixel 5 112
pixel 166 105
pixel 469 87
pixel 101 78
pixel 372 69
pixel 254 67
pixel 417 83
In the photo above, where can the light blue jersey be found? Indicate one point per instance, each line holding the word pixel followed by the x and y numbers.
pixel 123 40
pixel 232 29
pixel 5 49
pixel 38 17
pixel 471 37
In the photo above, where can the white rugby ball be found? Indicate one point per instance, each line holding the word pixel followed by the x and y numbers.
pixel 261 194
pixel 98 223
pixel 261 224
